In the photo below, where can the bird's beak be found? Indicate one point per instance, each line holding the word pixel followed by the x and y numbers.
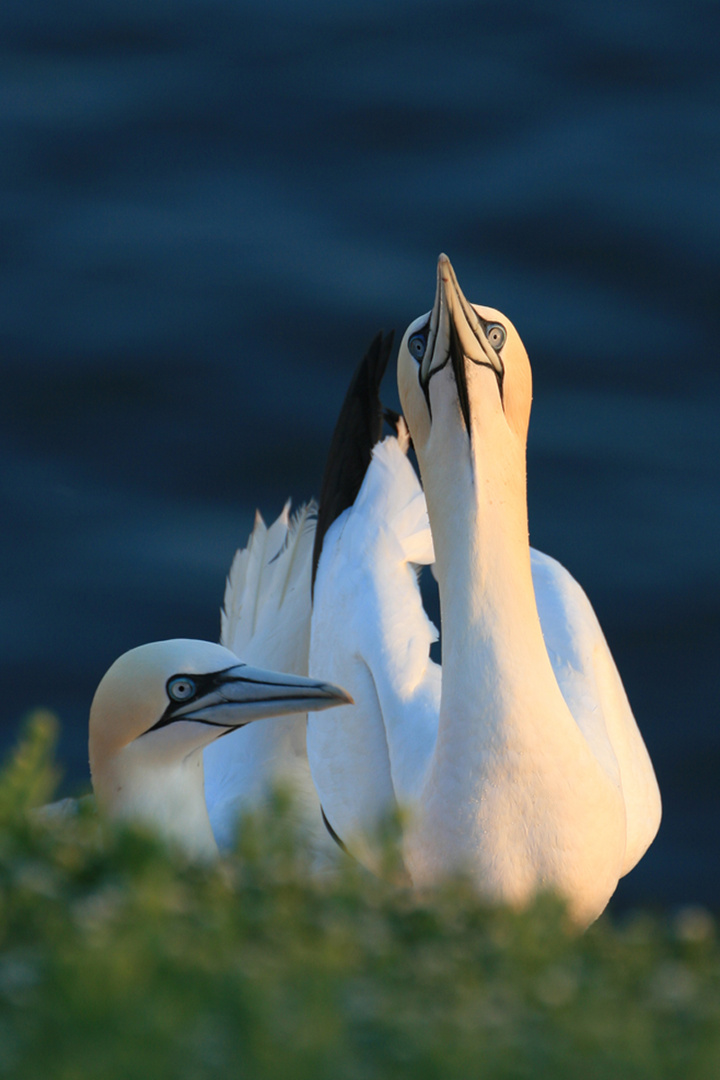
pixel 456 334
pixel 238 695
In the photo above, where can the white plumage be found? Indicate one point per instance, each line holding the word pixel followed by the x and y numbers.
pixel 266 620
pixel 521 762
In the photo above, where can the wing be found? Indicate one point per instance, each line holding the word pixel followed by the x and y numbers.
pixel 266 617
pixel 370 632
pixel 266 621
pixel 266 609
pixel 590 683
pixel 358 428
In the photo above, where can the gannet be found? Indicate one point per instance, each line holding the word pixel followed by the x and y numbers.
pixel 519 762
pixel 155 710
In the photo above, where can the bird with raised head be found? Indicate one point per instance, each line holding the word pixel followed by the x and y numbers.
pixel 519 761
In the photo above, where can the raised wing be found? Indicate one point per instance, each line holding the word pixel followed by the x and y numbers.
pixel 267 596
pixel 369 631
pixel 358 428
pixel 266 622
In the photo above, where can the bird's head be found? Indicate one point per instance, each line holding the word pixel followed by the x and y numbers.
pixel 464 377
pixel 169 698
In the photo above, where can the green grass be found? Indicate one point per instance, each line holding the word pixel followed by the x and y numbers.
pixel 119 960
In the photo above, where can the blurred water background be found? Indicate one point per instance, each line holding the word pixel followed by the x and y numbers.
pixel 208 207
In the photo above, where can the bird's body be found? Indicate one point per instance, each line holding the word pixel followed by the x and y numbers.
pixel 520 762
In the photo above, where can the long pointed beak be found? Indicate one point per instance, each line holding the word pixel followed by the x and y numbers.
pixel 241 694
pixel 457 334
pixel 437 350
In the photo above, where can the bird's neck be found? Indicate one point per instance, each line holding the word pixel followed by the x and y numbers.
pixel 513 791
pixel 168 797
pixel 493 650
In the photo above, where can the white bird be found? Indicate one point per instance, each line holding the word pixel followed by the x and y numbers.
pixel 520 762
pixel 155 710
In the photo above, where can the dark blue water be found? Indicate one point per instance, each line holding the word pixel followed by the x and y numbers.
pixel 207 208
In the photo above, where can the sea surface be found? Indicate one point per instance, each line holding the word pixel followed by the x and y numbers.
pixel 209 207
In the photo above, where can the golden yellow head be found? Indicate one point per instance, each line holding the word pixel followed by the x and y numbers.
pixel 170 697
pixel 466 364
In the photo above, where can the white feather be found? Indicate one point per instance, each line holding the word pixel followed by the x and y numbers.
pixel 370 632
pixel 266 618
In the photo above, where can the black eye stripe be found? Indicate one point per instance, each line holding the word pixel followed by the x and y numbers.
pixel 201 685
pixel 204 685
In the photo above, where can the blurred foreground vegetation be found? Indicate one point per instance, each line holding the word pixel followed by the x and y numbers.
pixel 118 960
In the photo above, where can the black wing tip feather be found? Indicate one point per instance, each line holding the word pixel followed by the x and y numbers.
pixel 359 426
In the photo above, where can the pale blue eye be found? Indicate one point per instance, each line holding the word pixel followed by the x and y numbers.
pixel 496 335
pixel 417 345
pixel 181 688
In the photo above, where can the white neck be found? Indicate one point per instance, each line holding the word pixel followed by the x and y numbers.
pixel 514 793
pixel 492 639
pixel 168 797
